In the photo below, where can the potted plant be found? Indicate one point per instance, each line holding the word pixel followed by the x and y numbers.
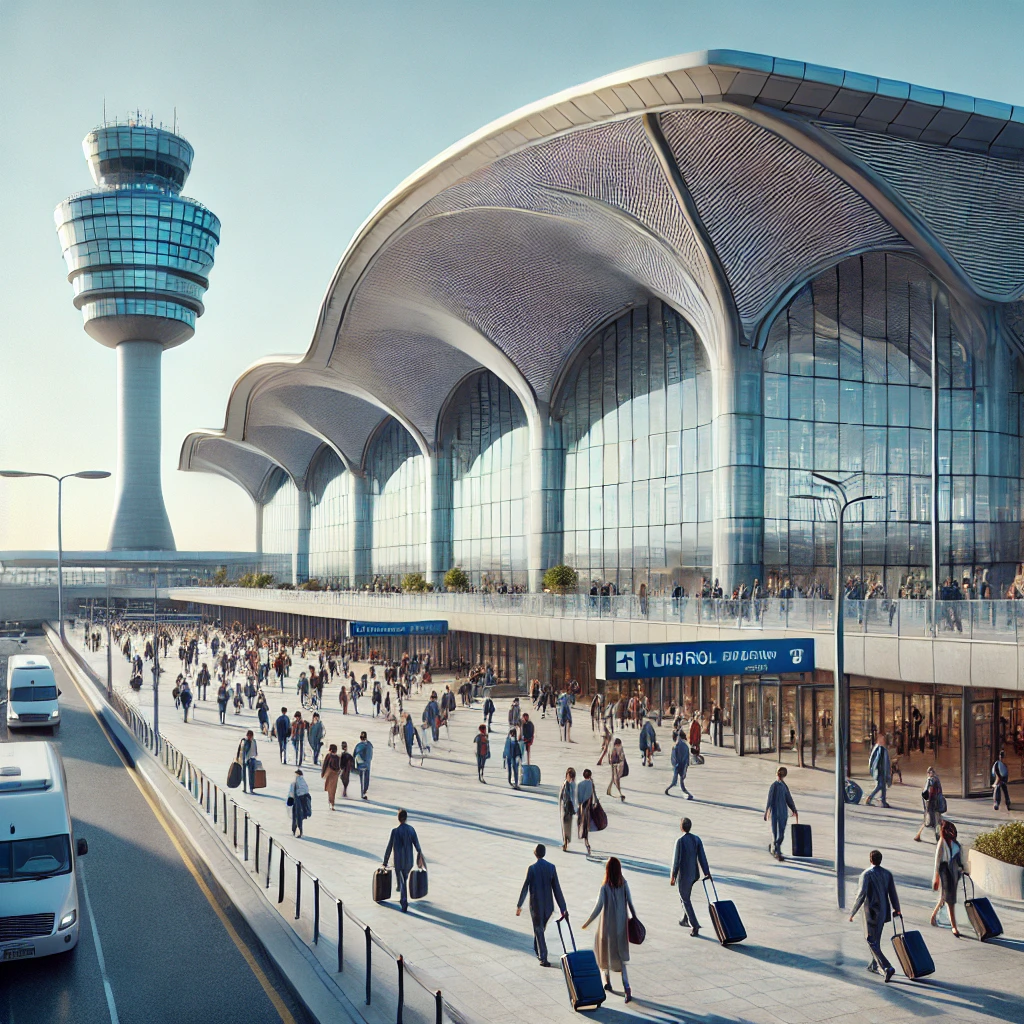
pixel 456 579
pixel 414 583
pixel 561 579
pixel 996 861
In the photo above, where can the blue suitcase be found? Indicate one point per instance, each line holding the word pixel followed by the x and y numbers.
pixel 911 952
pixel 983 917
pixel 529 775
pixel 582 975
pixel 725 917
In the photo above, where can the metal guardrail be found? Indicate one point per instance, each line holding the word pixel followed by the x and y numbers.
pixel 994 621
pixel 321 917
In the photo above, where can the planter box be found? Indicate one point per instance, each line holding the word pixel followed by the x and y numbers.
pixel 994 877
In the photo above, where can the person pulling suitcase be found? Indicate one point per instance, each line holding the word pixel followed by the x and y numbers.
pixel 544 891
pixel 780 803
pixel 877 894
pixel 689 856
pixel 402 841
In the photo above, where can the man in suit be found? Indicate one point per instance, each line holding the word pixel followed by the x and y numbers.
pixel 876 894
pixel 880 767
pixel 680 764
pixel 403 840
pixel 542 885
pixel 283 730
pixel 688 858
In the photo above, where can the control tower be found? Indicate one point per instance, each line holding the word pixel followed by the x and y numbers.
pixel 138 255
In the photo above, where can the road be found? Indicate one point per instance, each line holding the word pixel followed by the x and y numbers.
pixel 168 951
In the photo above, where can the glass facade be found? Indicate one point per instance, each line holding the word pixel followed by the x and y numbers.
pixel 330 520
pixel 396 478
pixel 636 426
pixel 847 392
pixel 485 461
pixel 281 516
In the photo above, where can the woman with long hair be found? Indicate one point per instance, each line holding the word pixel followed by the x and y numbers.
pixel 949 869
pixel 567 806
pixel 611 944
pixel 617 763
pixel 933 801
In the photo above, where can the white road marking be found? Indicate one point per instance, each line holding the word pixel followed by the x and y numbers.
pixel 109 992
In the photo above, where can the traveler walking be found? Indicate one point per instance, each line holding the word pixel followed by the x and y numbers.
pixel 263 713
pixel 223 696
pixel 880 766
pixel 409 734
pixel 299 802
pixel 515 715
pixel 298 734
pixel 316 737
pixel 949 869
pixel 716 726
pixel 511 755
pixel 680 764
pixel 246 757
pixel 483 751
pixel 585 799
pixel 402 841
pixel 1000 780
pixel 542 886
pixel 611 943
pixel 934 805
pixel 606 740
pixel 363 756
pixel 567 806
pixel 185 696
pixel 648 741
pixel 432 716
pixel 489 710
pixel 620 768
pixel 688 860
pixel 282 730
pixel 329 772
pixel 527 731
pixel 780 803
pixel 348 764
pixel 877 894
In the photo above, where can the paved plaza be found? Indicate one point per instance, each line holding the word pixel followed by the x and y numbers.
pixel 802 960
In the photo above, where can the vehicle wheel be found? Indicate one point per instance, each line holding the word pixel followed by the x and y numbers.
pixel 54 729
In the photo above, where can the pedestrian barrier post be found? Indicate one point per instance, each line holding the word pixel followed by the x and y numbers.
pixel 225 813
pixel 216 800
pixel 257 848
pixel 270 857
pixel 234 824
pixel 341 936
pixel 316 911
pixel 298 887
pixel 369 946
pixel 280 875
pixel 245 837
pixel 438 1008
pixel 401 987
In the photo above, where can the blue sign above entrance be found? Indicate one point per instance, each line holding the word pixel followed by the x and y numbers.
pixel 434 627
pixel 704 658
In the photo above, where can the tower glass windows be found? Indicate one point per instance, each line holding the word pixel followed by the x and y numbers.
pixel 635 414
pixel 281 517
pixel 330 526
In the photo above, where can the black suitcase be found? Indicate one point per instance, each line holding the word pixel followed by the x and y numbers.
pixel 234 775
pixel 582 975
pixel 417 883
pixel 983 917
pixel 381 885
pixel 725 917
pixel 911 952
pixel 800 838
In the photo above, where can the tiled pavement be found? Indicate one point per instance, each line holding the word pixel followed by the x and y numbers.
pixel 802 960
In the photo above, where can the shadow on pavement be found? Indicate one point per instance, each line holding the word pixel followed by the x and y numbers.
pixel 341 847
pixel 496 934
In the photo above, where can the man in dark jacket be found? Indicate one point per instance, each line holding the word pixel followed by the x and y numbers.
pixel 876 895
pixel 402 842
pixel 779 804
pixel 544 891
pixel 283 730
pixel 689 856
pixel 880 766
pixel 488 712
pixel 680 764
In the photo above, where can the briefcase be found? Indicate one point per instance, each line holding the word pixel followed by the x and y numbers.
pixel 417 883
pixel 725 917
pixel 983 917
pixel 582 975
pixel 381 885
pixel 259 778
pixel 800 838
pixel 911 952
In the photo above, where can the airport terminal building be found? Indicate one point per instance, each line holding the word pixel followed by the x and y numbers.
pixel 622 327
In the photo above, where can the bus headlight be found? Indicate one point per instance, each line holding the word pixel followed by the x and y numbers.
pixel 67 920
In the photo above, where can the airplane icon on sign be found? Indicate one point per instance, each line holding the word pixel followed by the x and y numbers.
pixel 625 661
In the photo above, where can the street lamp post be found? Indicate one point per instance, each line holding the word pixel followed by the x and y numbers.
pixel 88 474
pixel 840 717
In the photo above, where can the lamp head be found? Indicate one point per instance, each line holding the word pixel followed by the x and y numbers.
pixel 91 474
pixel 17 473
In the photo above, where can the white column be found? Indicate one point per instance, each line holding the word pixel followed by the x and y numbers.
pixel 258 506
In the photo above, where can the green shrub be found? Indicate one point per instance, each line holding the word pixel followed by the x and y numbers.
pixel 1005 843
pixel 220 577
pixel 310 585
pixel 414 583
pixel 256 580
pixel 456 579
pixel 560 579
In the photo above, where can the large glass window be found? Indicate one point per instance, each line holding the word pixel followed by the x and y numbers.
pixel 280 520
pixel 636 426
pixel 847 392
pixel 330 520
pixel 396 471
pixel 485 444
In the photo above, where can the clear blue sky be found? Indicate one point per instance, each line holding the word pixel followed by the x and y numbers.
pixel 304 116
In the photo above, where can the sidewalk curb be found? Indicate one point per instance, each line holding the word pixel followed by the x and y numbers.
pixel 310 983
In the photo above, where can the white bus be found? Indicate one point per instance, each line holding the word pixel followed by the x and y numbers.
pixel 31 693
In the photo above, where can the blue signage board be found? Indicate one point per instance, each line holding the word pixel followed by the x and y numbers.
pixel 704 658
pixel 435 627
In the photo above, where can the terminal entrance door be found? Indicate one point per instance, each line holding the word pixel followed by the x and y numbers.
pixel 817 741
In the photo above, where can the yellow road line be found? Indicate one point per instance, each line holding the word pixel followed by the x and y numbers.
pixel 283 1012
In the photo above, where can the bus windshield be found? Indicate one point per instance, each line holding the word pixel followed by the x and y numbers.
pixel 25 859
pixel 33 693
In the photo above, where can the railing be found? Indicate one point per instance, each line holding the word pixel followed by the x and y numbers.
pixel 318 915
pixel 995 621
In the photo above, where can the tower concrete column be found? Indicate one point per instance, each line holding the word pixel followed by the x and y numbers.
pixel 258 540
pixel 140 520
pixel 547 475
pixel 300 559
pixel 439 505
pixel 361 534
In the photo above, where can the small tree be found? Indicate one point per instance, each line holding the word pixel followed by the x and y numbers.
pixel 255 580
pixel 414 583
pixel 455 579
pixel 561 579
pixel 310 585
pixel 220 577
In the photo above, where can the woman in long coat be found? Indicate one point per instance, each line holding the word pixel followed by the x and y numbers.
pixel 931 800
pixel 611 944
pixel 330 772
pixel 567 806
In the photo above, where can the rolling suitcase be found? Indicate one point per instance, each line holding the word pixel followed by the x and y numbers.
pixel 725 917
pixel 800 838
pixel 529 775
pixel 381 885
pixel 852 792
pixel 259 778
pixel 582 975
pixel 984 919
pixel 417 883
pixel 234 775
pixel 911 952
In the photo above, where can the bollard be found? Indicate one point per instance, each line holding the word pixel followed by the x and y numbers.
pixel 316 911
pixel 234 824
pixel 438 1008
pixel 207 796
pixel 270 857
pixel 298 887
pixel 257 858
pixel 280 875
pixel 216 800
pixel 341 936
pixel 369 947
pixel 225 812
pixel 245 837
pixel 401 987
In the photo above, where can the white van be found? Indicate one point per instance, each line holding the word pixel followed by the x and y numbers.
pixel 38 884
pixel 31 693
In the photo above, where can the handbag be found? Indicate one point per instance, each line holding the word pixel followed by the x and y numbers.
pixel 598 818
pixel 234 775
pixel 635 931
pixel 625 769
